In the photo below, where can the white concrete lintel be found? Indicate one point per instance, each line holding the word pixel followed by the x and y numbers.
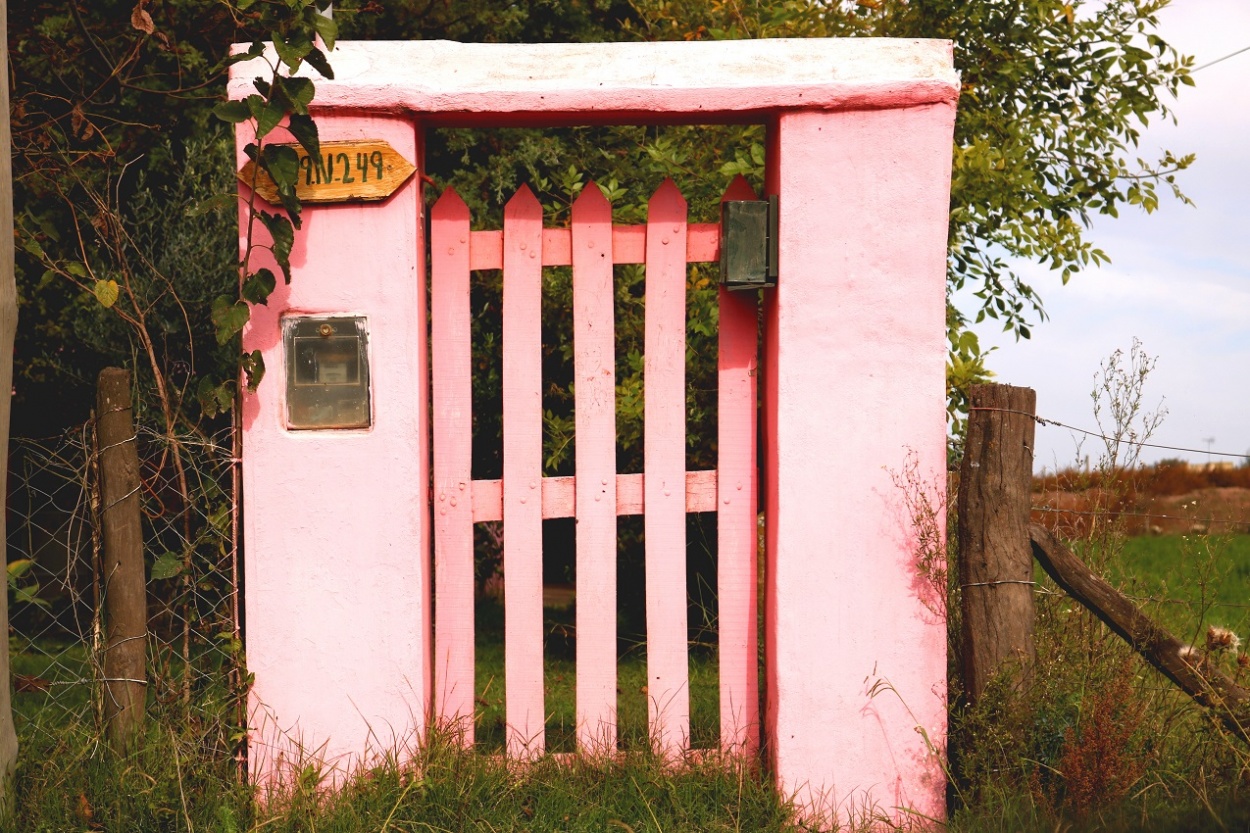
pixel 592 83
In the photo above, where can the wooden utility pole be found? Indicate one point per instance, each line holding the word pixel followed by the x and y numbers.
pixel 8 329
pixel 125 589
pixel 995 558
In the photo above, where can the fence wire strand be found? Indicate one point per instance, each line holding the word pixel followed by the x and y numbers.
pixel 56 631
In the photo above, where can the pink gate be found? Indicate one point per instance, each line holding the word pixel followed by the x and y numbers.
pixel 339 579
pixel 596 494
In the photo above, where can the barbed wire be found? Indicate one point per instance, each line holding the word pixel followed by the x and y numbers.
pixel 1141 444
pixel 1136 514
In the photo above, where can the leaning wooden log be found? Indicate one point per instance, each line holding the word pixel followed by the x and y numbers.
pixel 1182 664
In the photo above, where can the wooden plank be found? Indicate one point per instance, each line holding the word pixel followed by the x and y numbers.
pixel 629 245
pixel 736 532
pixel 664 462
pixel 451 374
pixel 559 496
pixel 522 474
pixel 352 171
pixel 594 410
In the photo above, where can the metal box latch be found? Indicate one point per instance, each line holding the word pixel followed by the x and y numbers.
pixel 748 243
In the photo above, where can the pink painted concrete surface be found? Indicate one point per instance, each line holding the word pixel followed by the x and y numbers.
pixel 335 524
pixel 854 383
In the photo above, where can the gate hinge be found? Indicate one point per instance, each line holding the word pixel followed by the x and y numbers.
pixel 748 243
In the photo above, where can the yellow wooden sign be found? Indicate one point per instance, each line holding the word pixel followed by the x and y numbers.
pixel 363 171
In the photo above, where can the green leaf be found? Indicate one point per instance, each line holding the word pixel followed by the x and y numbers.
pixel 282 164
pixel 292 51
pixel 215 398
pixel 232 112
pixel 76 269
pixel 304 129
pixel 327 28
pixel 229 317
pixel 19 568
pixel 167 565
pixel 293 94
pixel 267 114
pixel 208 205
pixel 283 234
pixel 317 60
pixel 106 293
pixel 258 287
pixel 253 365
pixel 31 245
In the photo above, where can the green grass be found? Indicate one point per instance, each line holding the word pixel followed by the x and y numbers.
pixel 1094 721
pixel 1188 581
pixel 560 678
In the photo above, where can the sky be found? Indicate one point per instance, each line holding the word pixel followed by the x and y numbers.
pixel 1179 279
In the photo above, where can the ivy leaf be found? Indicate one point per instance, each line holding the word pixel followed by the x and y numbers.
pixel 253 364
pixel 283 235
pixel 304 129
pixel 167 565
pixel 258 287
pixel 229 317
pixel 106 293
pixel 232 112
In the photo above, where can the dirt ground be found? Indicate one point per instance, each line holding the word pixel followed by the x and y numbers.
pixel 1214 510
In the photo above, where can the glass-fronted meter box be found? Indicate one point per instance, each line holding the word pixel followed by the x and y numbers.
pixel 327 371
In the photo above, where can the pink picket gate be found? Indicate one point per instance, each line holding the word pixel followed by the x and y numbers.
pixel 596 494
pixel 358 496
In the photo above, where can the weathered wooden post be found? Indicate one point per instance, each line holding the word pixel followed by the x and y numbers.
pixel 125 591
pixel 995 559
pixel 8 329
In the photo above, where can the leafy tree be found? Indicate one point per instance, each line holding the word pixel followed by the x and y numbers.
pixel 1053 100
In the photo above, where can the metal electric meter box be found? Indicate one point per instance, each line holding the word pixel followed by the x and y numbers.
pixel 748 251
pixel 327 372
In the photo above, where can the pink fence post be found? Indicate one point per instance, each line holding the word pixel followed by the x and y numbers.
pixel 664 480
pixel 736 530
pixel 451 368
pixel 522 474
pixel 854 373
pixel 594 374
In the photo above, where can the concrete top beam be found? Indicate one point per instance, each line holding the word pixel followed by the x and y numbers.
pixel 606 83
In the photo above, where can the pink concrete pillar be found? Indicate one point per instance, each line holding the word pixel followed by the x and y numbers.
pixel 337 606
pixel 854 383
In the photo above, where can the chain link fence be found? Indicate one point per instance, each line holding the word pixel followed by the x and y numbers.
pixel 195 665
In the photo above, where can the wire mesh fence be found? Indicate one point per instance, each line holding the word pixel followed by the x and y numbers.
pixel 194 660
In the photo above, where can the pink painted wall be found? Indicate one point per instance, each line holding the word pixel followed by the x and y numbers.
pixel 854 382
pixel 336 521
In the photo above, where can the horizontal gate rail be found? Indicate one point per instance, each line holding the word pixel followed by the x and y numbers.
pixel 596 495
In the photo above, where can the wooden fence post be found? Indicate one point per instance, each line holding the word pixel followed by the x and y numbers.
pixel 125 590
pixel 995 557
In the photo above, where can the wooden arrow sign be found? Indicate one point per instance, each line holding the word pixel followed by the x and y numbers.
pixel 364 171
